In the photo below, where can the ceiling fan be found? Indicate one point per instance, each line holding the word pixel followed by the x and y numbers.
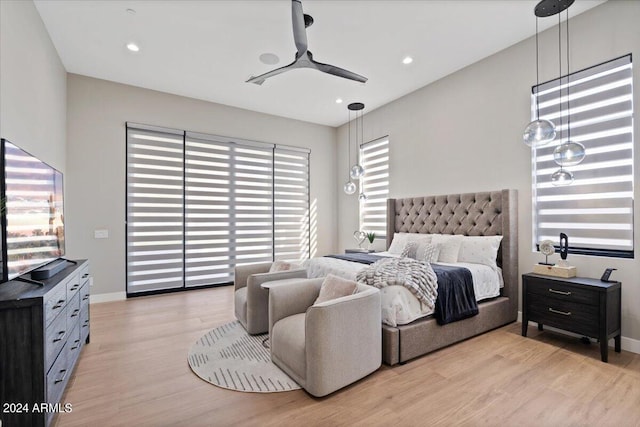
pixel 304 58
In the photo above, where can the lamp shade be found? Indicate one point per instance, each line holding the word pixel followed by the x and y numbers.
pixel 356 171
pixel 568 154
pixel 349 187
pixel 561 177
pixel 539 132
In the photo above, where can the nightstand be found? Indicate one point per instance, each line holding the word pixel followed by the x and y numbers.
pixel 359 251
pixel 581 305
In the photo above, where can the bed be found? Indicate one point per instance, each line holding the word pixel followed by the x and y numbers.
pixel 491 213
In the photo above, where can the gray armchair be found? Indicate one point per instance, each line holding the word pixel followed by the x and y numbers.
pixel 329 345
pixel 251 302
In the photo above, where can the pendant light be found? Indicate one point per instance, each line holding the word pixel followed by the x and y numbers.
pixel 540 131
pixel 356 171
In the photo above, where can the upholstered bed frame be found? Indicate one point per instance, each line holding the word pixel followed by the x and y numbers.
pixel 471 214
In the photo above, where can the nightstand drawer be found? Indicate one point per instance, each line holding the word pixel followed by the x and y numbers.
pixel 562 291
pixel 571 316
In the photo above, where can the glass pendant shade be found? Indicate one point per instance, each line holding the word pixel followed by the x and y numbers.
pixel 356 172
pixel 349 187
pixel 362 197
pixel 561 177
pixel 568 154
pixel 539 132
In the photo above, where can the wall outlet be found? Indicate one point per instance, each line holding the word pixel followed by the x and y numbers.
pixel 100 234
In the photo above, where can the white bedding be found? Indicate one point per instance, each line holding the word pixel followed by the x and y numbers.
pixel 399 305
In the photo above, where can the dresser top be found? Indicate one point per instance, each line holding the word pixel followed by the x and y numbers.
pixel 580 281
pixel 14 290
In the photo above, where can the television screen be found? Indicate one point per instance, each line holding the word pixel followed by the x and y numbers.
pixel 33 218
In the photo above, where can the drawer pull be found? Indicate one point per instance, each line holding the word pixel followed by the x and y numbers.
pixel 75 312
pixel 74 287
pixel 85 275
pixel 85 324
pixel 61 335
pixel 59 304
pixel 564 313
pixel 77 344
pixel 86 297
pixel 59 380
pixel 559 292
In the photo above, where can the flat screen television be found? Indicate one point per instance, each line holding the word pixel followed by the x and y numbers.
pixel 31 202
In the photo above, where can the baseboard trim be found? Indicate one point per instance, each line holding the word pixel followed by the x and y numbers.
pixel 113 296
pixel 627 344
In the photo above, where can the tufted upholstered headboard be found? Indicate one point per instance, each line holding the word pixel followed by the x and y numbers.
pixel 471 214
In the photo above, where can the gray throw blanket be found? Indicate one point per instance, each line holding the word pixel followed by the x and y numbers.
pixel 416 276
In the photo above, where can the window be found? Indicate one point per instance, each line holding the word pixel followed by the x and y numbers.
pixel 198 205
pixel 596 210
pixel 374 157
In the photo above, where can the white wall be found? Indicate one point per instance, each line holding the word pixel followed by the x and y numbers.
pixel 463 133
pixel 95 178
pixel 33 85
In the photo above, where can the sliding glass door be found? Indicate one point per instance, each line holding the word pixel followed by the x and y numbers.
pixel 198 205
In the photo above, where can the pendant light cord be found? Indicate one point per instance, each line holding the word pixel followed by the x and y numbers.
pixel 560 63
pixel 568 96
pixel 349 150
pixel 537 74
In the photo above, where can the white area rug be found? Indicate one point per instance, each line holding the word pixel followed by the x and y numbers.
pixel 229 357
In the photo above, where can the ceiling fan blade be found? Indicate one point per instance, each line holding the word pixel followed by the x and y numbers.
pixel 299 29
pixel 262 77
pixel 337 71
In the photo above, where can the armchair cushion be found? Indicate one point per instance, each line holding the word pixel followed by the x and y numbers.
pixel 289 334
pixel 335 287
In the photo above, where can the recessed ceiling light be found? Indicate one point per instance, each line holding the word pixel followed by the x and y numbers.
pixel 133 47
pixel 407 60
pixel 339 101
pixel 269 58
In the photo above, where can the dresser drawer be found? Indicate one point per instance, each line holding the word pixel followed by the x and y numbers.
pixel 57 378
pixel 85 295
pixel 73 286
pixel 84 322
pixel 74 345
pixel 55 337
pixel 73 311
pixel 84 274
pixel 562 291
pixel 54 303
pixel 571 316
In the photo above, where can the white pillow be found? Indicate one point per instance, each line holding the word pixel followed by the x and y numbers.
pixel 400 240
pixel 449 246
pixel 480 250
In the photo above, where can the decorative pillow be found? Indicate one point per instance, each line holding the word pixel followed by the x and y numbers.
pixel 335 287
pixel 400 240
pixel 427 252
pixel 282 266
pixel 480 250
pixel 398 243
pixel 449 246
pixel 409 250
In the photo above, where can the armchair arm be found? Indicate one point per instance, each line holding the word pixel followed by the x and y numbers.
pixel 293 298
pixel 343 340
pixel 241 273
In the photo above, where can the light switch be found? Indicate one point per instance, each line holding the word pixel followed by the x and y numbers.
pixel 101 234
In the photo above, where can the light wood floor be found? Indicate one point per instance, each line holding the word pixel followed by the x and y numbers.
pixel 135 373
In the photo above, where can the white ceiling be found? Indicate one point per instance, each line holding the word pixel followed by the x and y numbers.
pixel 207 49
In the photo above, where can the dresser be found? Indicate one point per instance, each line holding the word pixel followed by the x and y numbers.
pixel 580 305
pixel 42 331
